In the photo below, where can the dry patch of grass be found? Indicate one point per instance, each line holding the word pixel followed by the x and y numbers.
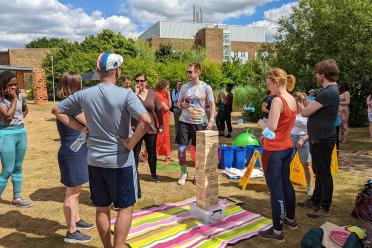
pixel 43 225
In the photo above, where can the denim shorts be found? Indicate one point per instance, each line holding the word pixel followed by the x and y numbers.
pixel 304 151
pixel 370 117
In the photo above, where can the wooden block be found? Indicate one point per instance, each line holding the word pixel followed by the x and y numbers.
pixel 205 185
pixel 210 156
pixel 207 204
pixel 207 151
pixel 207 133
pixel 207 164
pixel 206 140
pixel 200 171
pixel 207 193
pixel 207 176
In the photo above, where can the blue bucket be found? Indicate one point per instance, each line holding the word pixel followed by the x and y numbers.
pixel 250 150
pixel 226 160
pixel 239 157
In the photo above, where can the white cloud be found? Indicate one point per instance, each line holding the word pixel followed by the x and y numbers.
pixel 24 20
pixel 272 17
pixel 147 12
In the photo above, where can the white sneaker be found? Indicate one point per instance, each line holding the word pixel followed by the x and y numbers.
pixel 309 191
pixel 182 179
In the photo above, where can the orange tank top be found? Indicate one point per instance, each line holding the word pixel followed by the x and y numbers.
pixel 282 139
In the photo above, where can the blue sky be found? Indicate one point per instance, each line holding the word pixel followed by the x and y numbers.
pixel 75 19
pixel 112 7
pixel 258 15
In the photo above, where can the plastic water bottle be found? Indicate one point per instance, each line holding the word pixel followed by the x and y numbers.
pixel 78 142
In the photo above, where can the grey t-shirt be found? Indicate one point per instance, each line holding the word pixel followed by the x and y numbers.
pixel 18 116
pixel 321 124
pixel 199 95
pixel 108 110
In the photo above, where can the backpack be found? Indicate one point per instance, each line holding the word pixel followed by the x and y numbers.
pixel 363 204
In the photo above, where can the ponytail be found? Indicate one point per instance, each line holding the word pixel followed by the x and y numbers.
pixel 291 82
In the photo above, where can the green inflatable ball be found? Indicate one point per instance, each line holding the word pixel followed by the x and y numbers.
pixel 245 139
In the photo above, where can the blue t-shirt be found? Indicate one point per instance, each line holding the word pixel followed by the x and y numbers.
pixel 108 110
pixel 18 115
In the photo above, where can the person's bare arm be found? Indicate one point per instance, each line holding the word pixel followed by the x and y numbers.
pixel 8 112
pixel 311 108
pixel 274 114
pixel 68 120
pixel 164 106
pixel 264 107
pixel 81 118
pixel 212 108
pixel 346 101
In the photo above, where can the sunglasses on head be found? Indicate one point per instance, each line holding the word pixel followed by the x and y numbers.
pixel 140 80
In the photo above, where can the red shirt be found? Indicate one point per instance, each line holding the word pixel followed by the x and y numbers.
pixel 282 139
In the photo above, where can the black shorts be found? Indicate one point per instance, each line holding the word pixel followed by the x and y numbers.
pixel 187 131
pixel 119 186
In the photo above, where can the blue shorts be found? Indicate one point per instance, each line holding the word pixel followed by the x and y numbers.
pixel 119 186
pixel 304 151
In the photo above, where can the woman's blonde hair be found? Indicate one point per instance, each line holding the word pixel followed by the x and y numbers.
pixel 69 83
pixel 282 78
pixel 299 96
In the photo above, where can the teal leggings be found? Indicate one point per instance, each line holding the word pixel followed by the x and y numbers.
pixel 13 145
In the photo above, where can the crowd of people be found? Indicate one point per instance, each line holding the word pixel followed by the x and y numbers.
pixel 116 120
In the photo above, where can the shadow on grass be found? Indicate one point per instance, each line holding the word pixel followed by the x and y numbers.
pixel 163 179
pixel 20 240
pixel 57 194
pixel 255 185
pixel 24 223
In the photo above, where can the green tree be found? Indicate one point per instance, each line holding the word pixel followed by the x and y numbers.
pixel 322 29
pixel 47 43
pixel 164 52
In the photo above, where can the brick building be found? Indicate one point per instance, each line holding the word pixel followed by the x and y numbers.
pixel 222 42
pixel 26 63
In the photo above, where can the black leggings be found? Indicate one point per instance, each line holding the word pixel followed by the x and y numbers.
pixel 220 121
pixel 321 155
pixel 227 119
pixel 277 174
pixel 150 142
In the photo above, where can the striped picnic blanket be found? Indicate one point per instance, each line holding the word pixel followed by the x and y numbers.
pixel 171 225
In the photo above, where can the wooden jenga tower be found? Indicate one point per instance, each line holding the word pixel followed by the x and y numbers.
pixel 206 169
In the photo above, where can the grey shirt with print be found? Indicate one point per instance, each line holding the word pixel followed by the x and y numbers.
pixel 199 95
pixel 108 110
pixel 18 116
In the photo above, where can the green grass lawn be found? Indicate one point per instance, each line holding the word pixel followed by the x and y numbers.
pixel 43 225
